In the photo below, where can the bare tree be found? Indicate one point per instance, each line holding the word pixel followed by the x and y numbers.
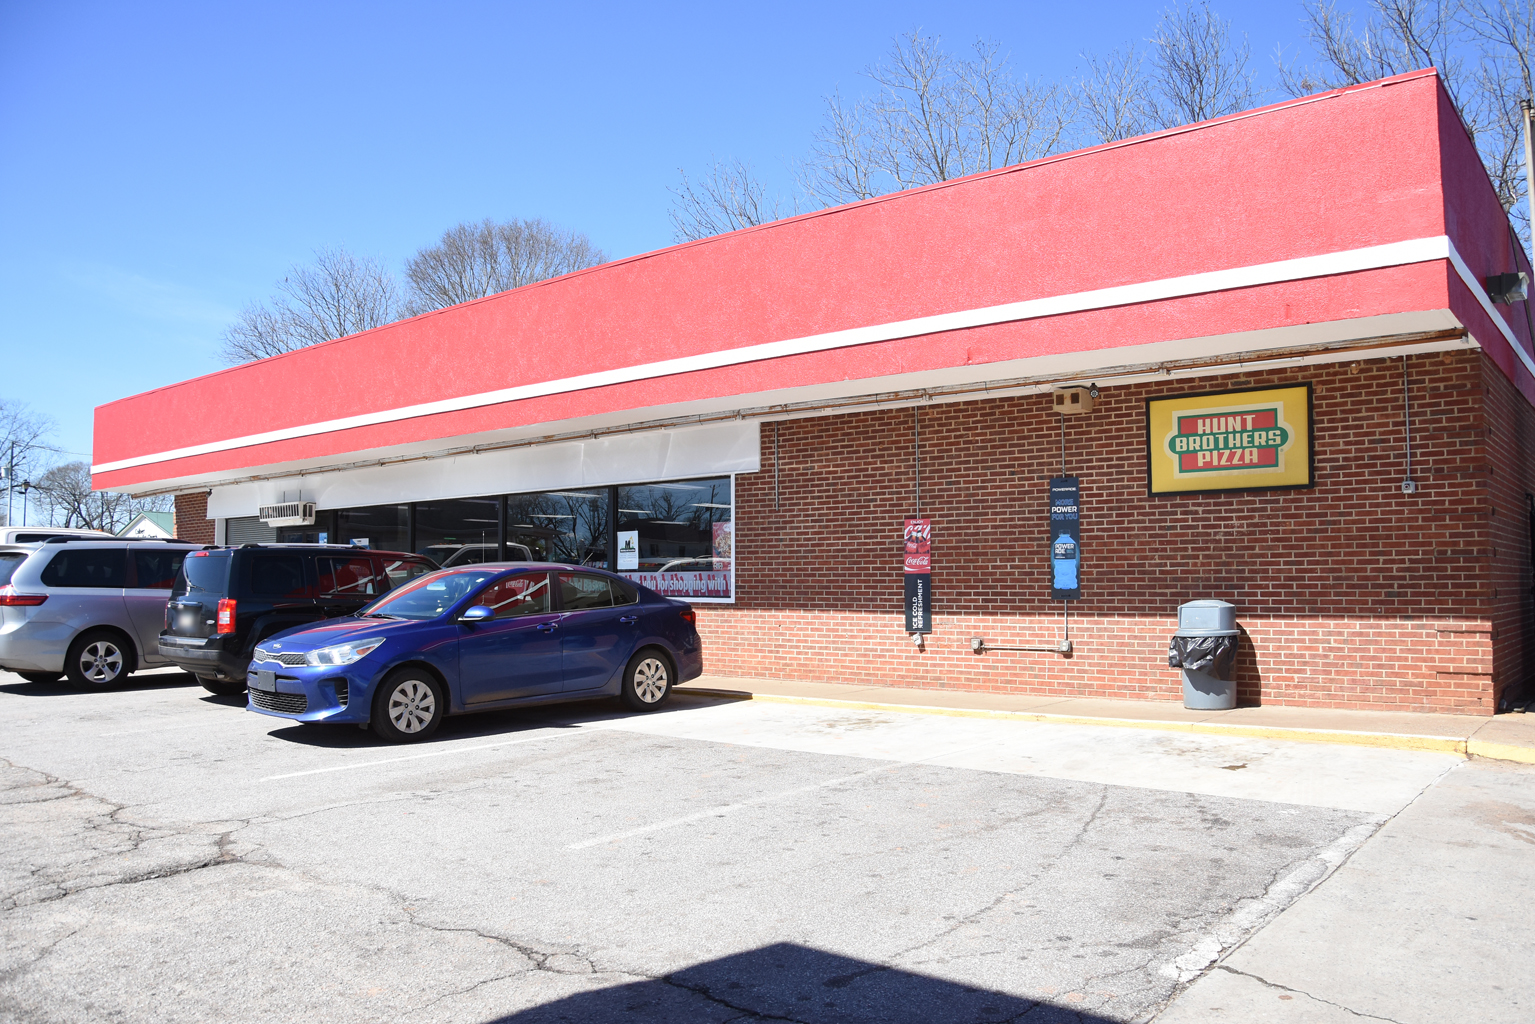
pixel 339 294
pixel 1201 70
pixel 472 261
pixel 1399 36
pixel 728 198
pixel 63 497
pixel 1114 98
pixel 1481 48
pixel 1505 35
pixel 22 433
pixel 933 117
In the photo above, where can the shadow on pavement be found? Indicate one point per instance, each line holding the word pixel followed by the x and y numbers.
pixel 485 724
pixel 789 982
pixel 137 681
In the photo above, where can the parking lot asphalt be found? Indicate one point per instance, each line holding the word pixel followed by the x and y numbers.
pixel 172 857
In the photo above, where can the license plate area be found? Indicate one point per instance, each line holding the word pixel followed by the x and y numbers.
pixel 263 680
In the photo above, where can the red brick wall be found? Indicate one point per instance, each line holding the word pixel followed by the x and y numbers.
pixel 1352 594
pixel 1510 433
pixel 192 522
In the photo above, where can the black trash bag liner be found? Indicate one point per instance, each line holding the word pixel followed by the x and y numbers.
pixel 1213 655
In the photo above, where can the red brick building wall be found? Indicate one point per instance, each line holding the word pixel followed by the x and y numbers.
pixel 1510 433
pixel 192 522
pixel 1351 593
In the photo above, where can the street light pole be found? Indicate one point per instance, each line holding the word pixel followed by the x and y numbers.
pixel 26 485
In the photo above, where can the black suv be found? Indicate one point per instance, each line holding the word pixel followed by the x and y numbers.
pixel 227 600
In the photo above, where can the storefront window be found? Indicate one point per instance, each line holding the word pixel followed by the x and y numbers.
pixel 461 532
pixel 676 538
pixel 559 526
pixel 380 527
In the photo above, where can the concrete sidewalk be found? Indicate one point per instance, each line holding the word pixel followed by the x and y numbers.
pixel 1507 737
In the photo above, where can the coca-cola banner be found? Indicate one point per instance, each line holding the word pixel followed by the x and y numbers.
pixel 919 579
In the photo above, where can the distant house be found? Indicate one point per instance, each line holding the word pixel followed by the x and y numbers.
pixel 150 524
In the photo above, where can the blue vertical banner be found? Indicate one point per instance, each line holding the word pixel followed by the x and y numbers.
pixel 919 575
pixel 1065 538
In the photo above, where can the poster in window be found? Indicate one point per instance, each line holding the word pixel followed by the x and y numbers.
pixel 724 544
pixel 1246 440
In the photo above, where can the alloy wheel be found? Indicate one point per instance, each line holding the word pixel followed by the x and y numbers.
pixel 411 706
pixel 650 678
pixel 101 662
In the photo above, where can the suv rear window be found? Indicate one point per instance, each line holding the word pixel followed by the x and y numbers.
pixel 9 560
pixel 203 571
pixel 87 567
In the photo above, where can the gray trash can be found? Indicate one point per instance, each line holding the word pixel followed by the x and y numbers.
pixel 1205 647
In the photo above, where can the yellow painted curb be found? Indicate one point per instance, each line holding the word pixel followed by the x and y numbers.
pixel 1502 751
pixel 1393 741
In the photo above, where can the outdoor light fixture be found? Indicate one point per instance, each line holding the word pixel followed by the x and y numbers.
pixel 1505 288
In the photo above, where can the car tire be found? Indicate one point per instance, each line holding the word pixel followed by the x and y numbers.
pixel 40 677
pixel 409 706
pixel 647 680
pixel 220 687
pixel 99 659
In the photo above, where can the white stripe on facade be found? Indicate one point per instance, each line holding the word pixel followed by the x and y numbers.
pixel 1395 254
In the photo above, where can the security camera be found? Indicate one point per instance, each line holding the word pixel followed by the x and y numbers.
pixel 1092 391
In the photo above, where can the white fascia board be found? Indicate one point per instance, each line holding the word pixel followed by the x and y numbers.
pixel 1394 254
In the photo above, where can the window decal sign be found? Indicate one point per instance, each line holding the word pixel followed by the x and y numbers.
pixel 1065 538
pixel 1246 440
pixel 919 575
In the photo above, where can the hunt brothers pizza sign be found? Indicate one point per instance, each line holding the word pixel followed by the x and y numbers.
pixel 1256 439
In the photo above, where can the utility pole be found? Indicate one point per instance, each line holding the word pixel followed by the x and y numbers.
pixel 1528 108
pixel 10 483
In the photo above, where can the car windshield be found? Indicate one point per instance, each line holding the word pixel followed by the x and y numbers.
pixel 427 597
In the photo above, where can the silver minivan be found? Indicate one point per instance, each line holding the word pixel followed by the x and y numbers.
pixel 89 609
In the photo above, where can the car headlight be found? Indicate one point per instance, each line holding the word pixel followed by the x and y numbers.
pixel 344 654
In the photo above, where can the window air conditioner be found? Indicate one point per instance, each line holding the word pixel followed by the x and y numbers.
pixel 292 513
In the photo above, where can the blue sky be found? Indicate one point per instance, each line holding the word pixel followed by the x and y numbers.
pixel 165 163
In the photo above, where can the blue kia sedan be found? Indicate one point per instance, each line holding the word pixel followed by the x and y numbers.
pixel 478 638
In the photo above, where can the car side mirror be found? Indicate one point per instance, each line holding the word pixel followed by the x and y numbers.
pixel 477 613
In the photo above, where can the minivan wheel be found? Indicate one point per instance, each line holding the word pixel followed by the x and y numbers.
pixel 409 706
pixel 647 681
pixel 98 658
pixel 220 687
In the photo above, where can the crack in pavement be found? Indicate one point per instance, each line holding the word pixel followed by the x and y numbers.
pixel 43 954
pixel 104 835
pixel 540 960
pixel 1301 992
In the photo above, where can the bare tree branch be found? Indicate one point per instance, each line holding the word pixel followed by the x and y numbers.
pixel 22 451
pixel 1505 33
pixel 728 198
pixel 933 117
pixel 339 294
pixel 472 261
pixel 63 497
pixel 1114 98
pixel 1202 71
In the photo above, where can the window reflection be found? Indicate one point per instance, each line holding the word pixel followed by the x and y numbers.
pixel 460 532
pixel 560 526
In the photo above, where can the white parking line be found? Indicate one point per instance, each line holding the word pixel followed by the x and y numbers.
pixel 429 753
pixel 724 809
